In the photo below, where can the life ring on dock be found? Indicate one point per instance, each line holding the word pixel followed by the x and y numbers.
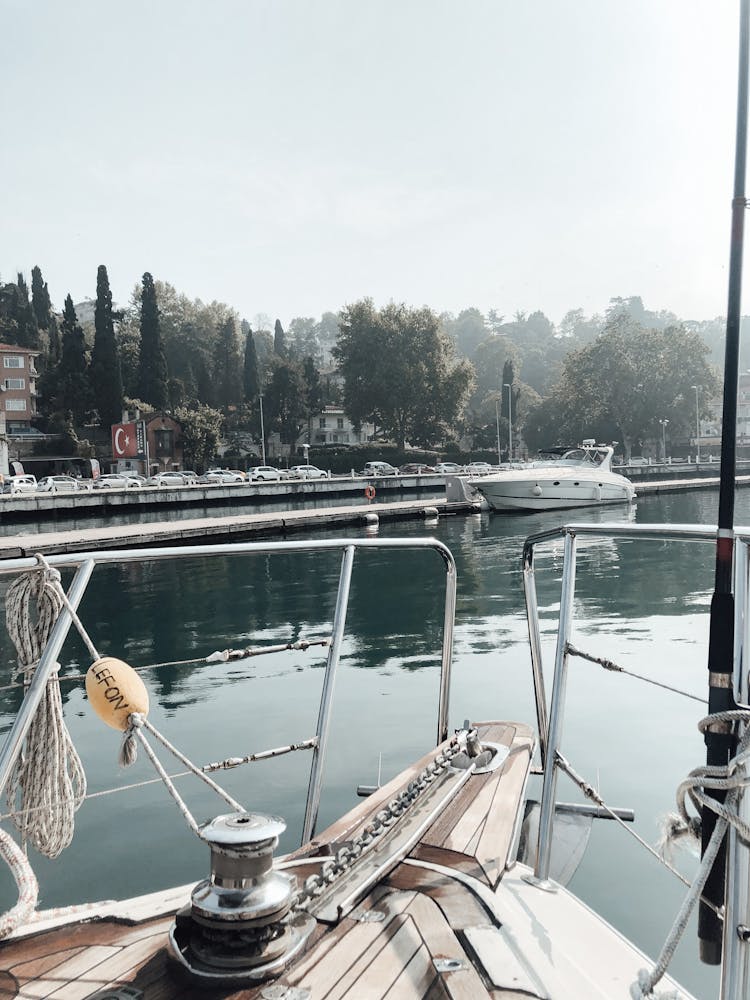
pixel 370 492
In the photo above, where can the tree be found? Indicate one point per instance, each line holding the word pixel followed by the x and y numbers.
pixel 285 400
pixel 251 375
pixel 201 432
pixel 314 392
pixel 73 386
pixel 468 330
pixel 627 380
pixel 400 371
pixel 228 366
pixel 279 340
pixel 106 378
pixel 40 300
pixel 152 367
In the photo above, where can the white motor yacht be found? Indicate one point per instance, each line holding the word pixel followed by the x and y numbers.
pixel 579 477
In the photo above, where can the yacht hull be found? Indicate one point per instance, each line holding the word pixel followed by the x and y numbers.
pixel 543 492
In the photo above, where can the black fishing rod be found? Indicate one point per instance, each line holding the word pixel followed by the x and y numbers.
pixel 720 738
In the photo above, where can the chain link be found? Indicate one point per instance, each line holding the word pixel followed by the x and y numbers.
pixel 347 855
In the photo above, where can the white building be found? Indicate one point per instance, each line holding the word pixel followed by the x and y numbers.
pixel 331 426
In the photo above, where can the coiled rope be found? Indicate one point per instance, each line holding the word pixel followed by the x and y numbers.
pixel 732 779
pixel 48 783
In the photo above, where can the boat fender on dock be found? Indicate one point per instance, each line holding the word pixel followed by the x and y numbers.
pixel 371 518
pixel 115 691
pixel 537 490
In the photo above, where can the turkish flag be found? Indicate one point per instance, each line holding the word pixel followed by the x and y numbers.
pixel 124 441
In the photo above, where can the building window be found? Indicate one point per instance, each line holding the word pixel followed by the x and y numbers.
pixel 15 404
pixel 322 422
pixel 164 441
pixel 340 423
pixel 15 383
pixel 12 361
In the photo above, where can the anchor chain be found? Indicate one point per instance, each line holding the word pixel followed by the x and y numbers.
pixel 347 855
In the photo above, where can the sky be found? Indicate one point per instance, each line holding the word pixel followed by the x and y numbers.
pixel 288 157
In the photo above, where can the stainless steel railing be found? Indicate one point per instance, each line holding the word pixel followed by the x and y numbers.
pixel 550 717
pixel 85 563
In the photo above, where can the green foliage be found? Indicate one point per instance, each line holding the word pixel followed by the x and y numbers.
pixel 106 379
pixel 251 375
pixel 152 368
pixel 624 382
pixel 468 330
pixel 201 432
pixel 279 340
pixel 285 402
pixel 40 300
pixel 400 372
pixel 228 366
pixel 74 394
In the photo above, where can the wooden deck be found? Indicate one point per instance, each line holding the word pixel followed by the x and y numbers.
pixel 425 916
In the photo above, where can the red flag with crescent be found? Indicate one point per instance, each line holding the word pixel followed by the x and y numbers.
pixel 124 441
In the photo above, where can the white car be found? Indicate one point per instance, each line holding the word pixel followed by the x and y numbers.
pixel 223 476
pixel 307 472
pixel 20 484
pixel 379 469
pixel 449 468
pixel 59 484
pixel 174 479
pixel 478 468
pixel 115 481
pixel 266 473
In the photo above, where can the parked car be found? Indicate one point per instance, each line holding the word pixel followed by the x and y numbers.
pixel 266 473
pixel 478 468
pixel 116 480
pixel 189 476
pixel 415 468
pixel 25 483
pixel 174 479
pixel 379 469
pixel 223 477
pixel 59 484
pixel 307 472
pixel 449 468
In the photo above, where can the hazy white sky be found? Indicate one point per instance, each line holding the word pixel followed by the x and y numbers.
pixel 289 156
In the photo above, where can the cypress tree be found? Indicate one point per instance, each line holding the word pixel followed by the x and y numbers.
pixel 228 370
pixel 27 334
pixel 106 378
pixel 251 375
pixel 40 300
pixel 152 366
pixel 279 340
pixel 74 388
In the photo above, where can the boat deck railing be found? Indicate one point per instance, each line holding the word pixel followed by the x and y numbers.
pixel 85 563
pixel 550 714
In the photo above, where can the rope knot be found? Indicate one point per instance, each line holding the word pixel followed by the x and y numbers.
pixel 48 573
pixel 129 748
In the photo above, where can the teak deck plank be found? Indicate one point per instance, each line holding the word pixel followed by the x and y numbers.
pixel 114 971
pixel 60 978
pixel 459 905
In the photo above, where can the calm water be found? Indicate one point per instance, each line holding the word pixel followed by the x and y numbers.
pixel 642 605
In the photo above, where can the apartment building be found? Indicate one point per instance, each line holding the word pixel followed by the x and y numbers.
pixel 18 377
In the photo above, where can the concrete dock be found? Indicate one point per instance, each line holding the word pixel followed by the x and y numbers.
pixel 211 529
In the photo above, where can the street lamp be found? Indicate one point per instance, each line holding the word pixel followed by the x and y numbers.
pixel 510 424
pixel 697 425
pixel 262 433
pixel 664 423
pixel 497 425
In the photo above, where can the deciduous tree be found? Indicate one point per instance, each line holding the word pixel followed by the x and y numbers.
pixel 400 371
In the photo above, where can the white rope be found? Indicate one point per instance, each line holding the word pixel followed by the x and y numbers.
pixel 25 879
pixel 138 723
pixel 732 779
pixel 48 783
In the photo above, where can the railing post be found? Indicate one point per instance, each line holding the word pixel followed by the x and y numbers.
pixel 447 655
pixel 326 698
pixel 535 647
pixel 547 812
pixel 30 703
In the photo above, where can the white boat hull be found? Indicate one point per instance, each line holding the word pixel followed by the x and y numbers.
pixel 511 491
